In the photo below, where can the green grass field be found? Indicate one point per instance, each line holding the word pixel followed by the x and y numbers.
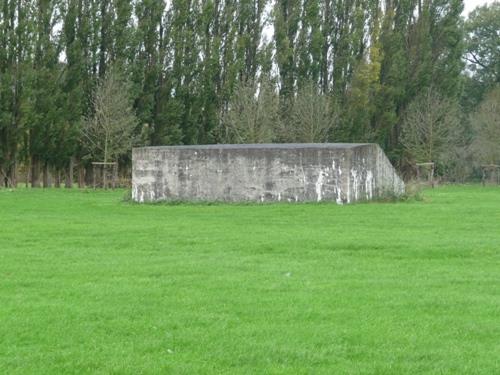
pixel 92 284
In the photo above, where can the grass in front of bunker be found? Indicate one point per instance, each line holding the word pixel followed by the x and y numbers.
pixel 90 284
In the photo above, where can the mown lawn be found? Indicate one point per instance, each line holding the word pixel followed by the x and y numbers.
pixel 92 284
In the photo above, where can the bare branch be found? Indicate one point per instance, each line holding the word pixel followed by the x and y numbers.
pixel 109 133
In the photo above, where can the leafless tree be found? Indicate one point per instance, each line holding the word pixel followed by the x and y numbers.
pixel 252 115
pixel 486 125
pixel 313 117
pixel 108 133
pixel 430 127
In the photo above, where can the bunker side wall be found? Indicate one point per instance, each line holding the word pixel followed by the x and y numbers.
pixel 388 181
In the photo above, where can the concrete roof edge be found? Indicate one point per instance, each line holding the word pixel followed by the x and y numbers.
pixel 259 146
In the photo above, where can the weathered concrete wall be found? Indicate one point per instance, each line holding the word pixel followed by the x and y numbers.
pixel 275 172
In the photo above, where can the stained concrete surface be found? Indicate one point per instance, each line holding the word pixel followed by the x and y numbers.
pixel 337 172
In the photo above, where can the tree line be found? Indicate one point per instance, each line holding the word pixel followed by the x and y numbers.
pixel 150 72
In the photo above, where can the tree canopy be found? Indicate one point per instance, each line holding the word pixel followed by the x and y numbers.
pixel 327 70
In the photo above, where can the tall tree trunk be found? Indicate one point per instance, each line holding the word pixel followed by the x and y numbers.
pixel 12 175
pixel 88 175
pixel 68 183
pixel 35 172
pixel 81 175
pixel 57 178
pixel 9 178
pixel 105 176
pixel 46 177
pixel 104 167
pixel 28 175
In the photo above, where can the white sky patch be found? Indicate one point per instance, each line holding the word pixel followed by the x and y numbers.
pixel 470 5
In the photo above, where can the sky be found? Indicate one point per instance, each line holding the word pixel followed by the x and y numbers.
pixel 471 4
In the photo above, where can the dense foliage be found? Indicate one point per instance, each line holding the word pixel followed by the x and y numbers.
pixel 191 66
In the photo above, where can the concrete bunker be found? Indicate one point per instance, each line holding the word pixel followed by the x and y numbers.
pixel 337 172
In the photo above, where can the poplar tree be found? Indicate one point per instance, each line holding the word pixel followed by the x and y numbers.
pixel 188 60
pixel 14 61
pixel 44 117
pixel 286 27
pixel 149 65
